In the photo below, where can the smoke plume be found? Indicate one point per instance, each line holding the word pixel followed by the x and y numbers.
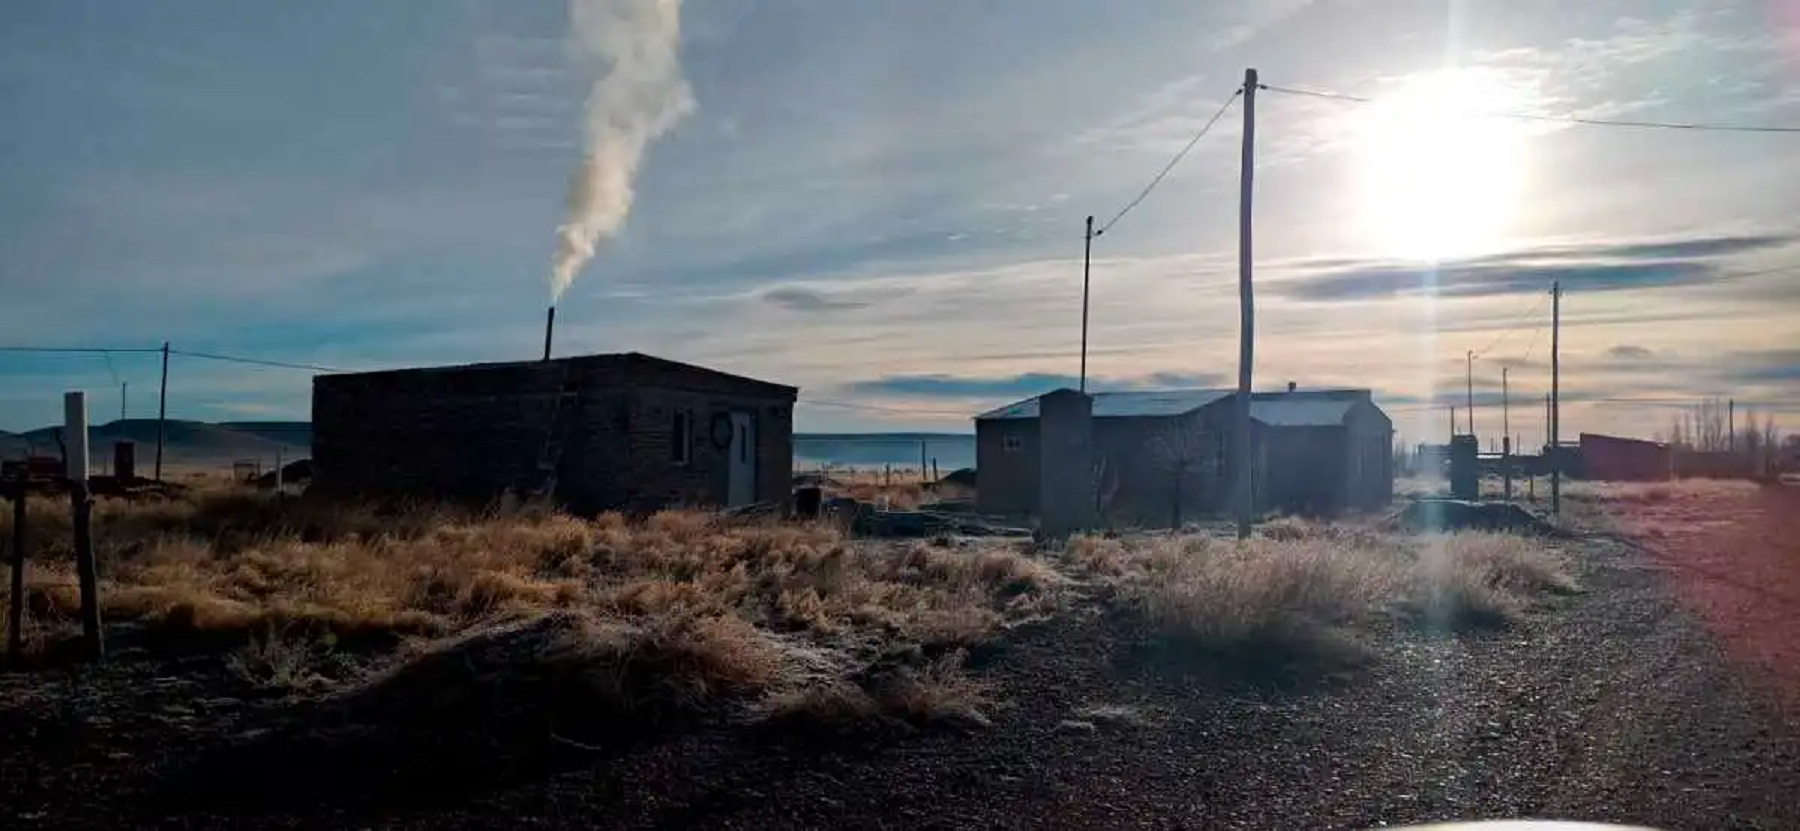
pixel 638 95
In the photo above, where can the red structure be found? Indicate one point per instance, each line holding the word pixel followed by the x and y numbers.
pixel 1619 459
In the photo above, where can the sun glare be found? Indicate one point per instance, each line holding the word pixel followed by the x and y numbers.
pixel 1436 180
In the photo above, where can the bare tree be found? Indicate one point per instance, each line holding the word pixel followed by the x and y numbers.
pixel 1106 487
pixel 1179 449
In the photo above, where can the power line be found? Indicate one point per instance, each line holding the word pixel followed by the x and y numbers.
pixel 1171 165
pixel 253 361
pixel 1511 327
pixel 1537 335
pixel 1562 119
pixel 73 350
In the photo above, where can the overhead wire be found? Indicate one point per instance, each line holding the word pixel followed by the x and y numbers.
pixel 1511 326
pixel 74 350
pixel 1562 119
pixel 236 359
pixel 1162 174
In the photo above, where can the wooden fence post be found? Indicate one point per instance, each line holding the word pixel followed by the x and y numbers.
pixel 15 610
pixel 86 571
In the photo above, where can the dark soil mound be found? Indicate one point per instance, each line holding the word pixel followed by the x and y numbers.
pixel 498 705
pixel 1460 515
pixel 962 476
pixel 292 473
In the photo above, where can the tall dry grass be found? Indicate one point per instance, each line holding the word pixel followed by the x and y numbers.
pixel 800 601
pixel 1308 588
pixel 679 611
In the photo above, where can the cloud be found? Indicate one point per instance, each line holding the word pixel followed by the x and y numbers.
pixel 1022 385
pixel 1764 366
pixel 1591 267
pixel 808 300
pixel 1462 280
pixel 1690 247
pixel 1631 352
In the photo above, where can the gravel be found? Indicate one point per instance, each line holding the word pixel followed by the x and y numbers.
pixel 1607 705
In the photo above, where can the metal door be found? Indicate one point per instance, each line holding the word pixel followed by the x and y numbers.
pixel 741 481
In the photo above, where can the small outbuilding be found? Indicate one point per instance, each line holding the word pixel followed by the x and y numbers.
pixel 1614 458
pixel 1161 457
pixel 597 432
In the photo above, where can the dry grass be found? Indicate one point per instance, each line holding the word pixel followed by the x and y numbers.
pixel 1310 590
pixel 901 491
pixel 1658 492
pixel 712 607
pixel 684 612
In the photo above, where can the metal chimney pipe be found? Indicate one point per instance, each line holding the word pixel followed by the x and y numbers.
pixel 549 328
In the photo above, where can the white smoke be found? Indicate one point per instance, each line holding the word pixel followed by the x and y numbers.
pixel 638 96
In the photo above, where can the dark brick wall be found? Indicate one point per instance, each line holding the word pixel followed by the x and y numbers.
pixel 1155 472
pixel 1369 484
pixel 1006 480
pixel 467 433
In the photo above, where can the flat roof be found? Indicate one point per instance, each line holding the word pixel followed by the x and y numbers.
pixel 597 359
pixel 1278 408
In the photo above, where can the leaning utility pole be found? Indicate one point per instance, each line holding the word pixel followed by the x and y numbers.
pixel 1087 257
pixel 1240 449
pixel 1555 397
pixel 162 410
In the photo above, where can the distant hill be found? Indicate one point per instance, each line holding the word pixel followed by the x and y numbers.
pixel 289 433
pixel 203 443
pixel 185 442
pixel 884 437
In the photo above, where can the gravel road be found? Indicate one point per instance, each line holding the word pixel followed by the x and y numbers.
pixel 1610 705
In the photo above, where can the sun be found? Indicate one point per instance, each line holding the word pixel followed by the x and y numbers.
pixel 1437 180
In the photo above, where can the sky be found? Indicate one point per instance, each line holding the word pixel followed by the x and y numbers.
pixel 882 203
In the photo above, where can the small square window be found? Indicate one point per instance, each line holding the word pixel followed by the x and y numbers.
pixel 1012 444
pixel 681 437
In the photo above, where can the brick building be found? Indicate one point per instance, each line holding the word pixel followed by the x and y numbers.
pixel 1619 459
pixel 594 432
pixel 1160 456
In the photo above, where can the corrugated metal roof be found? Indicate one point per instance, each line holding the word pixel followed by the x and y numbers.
pixel 1303 409
pixel 1135 403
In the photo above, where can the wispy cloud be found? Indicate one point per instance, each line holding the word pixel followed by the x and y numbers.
pixel 808 300
pixel 1604 266
pixel 1023 385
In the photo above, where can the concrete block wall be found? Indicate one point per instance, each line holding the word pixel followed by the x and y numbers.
pixel 1065 463
pixel 468 433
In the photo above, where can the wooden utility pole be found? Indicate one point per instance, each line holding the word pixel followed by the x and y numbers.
pixel 1556 397
pixel 1240 449
pixel 15 609
pixel 162 410
pixel 1087 256
pixel 1469 388
pixel 1505 434
pixel 124 396
pixel 75 431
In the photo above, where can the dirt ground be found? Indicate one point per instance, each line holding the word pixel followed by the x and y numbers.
pixel 1611 704
pixel 1733 555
